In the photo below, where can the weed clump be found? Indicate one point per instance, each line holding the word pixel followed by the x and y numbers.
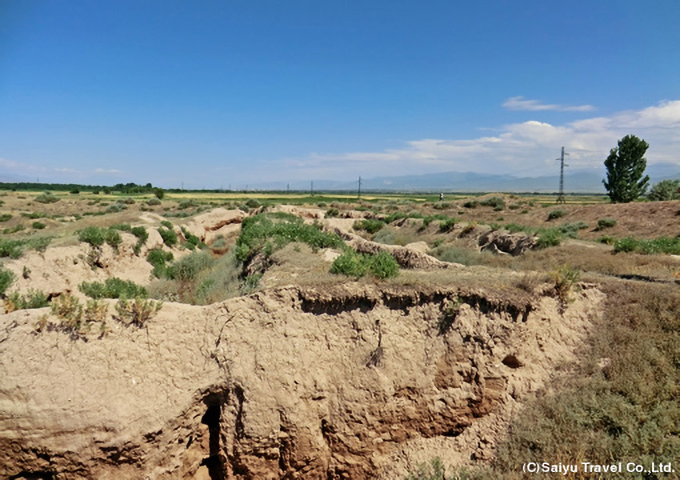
pixel 555 214
pixel 138 311
pixel 112 288
pixel 369 225
pixel 382 265
pixel 159 258
pixel 6 279
pixel 495 202
pixel 46 197
pixel 604 223
pixel 32 299
pixel 168 235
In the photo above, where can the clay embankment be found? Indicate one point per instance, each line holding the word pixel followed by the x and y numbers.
pixel 288 383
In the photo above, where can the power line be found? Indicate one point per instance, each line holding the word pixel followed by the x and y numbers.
pixel 560 197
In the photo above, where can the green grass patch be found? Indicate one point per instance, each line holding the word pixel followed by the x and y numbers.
pixel 113 288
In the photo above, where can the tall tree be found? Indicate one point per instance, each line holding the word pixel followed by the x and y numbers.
pixel 625 169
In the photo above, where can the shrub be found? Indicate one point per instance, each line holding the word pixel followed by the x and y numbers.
pixel 496 202
pixel 607 239
pixel 153 202
pixel 167 224
pixel 123 227
pixel 33 299
pixel 69 310
pixel 628 244
pixel 605 223
pixel 431 218
pixel 332 212
pixel 112 288
pixel 38 225
pixel 369 225
pixel 188 267
pixel 159 193
pixel 184 204
pixel 516 227
pixel 564 278
pixel 383 265
pixel 555 214
pixel 94 236
pixel 6 279
pixel 350 263
pixel 169 236
pixel 75 191
pixel 549 238
pixel 106 190
pixel 127 201
pixel 252 203
pixel 116 207
pixel 447 225
pixel 5 217
pixel 11 248
pixel 159 258
pixel 113 238
pixel 665 190
pixel 471 204
pixel 46 197
pixel 259 230
pixel 570 230
pixel 142 237
pixel 434 471
pixel 138 311
pixel 441 206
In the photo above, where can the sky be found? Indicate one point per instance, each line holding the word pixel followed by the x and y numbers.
pixel 219 94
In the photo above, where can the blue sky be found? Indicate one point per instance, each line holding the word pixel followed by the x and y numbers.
pixel 232 93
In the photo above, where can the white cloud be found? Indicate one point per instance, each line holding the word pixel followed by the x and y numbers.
pixel 521 103
pixel 529 148
pixel 107 171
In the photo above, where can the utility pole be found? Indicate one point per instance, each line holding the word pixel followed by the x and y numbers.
pixel 288 188
pixel 311 189
pixel 359 191
pixel 560 197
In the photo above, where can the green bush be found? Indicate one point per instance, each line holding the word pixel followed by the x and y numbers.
pixel 661 245
pixel 252 203
pixel 431 218
pixel 38 225
pixel 549 237
pixel 570 230
pixel 169 236
pixel 369 225
pixel 447 225
pixel 167 224
pixel 441 206
pixel 604 223
pixel 113 238
pixel 555 214
pixel 33 299
pixel 495 202
pixel 5 217
pixel 189 266
pixel 127 201
pixel 184 204
pixel 260 229
pixel 350 263
pixel 112 288
pixel 142 237
pixel 6 279
pixel 332 212
pixel 123 227
pixel 515 227
pixel 153 202
pixel 94 236
pixel 46 197
pixel 607 239
pixel 159 193
pixel 382 265
pixel 137 311
pixel 15 229
pixel 159 259
pixel 11 248
pixel 471 204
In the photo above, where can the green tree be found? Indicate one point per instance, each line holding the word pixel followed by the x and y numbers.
pixel 159 193
pixel 665 190
pixel 625 169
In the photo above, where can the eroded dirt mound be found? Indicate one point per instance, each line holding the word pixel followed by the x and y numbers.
pixel 330 383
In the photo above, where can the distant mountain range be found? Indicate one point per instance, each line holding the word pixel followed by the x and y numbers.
pixel 585 181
